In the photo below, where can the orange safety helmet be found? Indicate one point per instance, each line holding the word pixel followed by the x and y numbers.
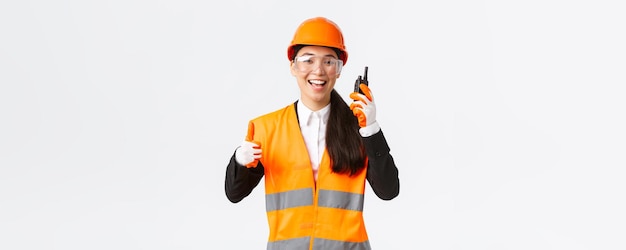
pixel 318 31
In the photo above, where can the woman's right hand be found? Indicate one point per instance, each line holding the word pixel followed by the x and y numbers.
pixel 363 106
pixel 248 154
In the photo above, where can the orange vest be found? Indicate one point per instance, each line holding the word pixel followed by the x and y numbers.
pixel 301 214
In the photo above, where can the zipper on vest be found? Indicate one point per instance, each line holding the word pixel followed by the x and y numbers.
pixel 315 212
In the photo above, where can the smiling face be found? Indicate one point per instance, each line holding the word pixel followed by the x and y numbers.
pixel 316 84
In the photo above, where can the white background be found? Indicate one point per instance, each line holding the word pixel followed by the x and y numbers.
pixel 117 119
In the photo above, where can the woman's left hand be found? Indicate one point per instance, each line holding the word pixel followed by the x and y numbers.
pixel 363 106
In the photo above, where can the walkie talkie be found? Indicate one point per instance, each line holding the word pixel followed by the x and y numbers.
pixel 360 80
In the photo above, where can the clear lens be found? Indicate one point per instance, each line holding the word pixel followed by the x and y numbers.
pixel 306 64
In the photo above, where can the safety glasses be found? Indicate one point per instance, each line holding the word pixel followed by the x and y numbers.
pixel 309 63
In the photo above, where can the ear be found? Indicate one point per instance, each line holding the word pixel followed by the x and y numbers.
pixel 293 71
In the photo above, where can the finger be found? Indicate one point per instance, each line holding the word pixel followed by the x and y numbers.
pixel 360 117
pixel 366 90
pixel 357 96
pixel 252 144
pixel 357 104
pixel 358 112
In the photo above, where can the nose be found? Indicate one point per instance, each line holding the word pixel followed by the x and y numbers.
pixel 318 69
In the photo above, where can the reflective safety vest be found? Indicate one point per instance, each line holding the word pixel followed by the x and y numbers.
pixel 301 214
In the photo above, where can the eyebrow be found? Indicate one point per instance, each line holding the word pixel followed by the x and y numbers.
pixel 311 54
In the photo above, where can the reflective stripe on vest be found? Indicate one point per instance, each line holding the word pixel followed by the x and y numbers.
pixel 338 199
pixel 324 244
pixel 304 197
pixel 318 244
pixel 291 244
pixel 289 199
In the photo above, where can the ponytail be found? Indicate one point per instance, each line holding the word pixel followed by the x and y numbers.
pixel 343 141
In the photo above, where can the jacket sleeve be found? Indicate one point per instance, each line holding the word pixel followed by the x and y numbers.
pixel 240 180
pixel 382 173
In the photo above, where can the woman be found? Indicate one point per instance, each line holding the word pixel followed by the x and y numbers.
pixel 315 153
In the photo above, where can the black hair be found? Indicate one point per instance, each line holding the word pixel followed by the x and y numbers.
pixel 343 140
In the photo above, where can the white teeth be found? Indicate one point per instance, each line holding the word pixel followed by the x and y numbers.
pixel 317 81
